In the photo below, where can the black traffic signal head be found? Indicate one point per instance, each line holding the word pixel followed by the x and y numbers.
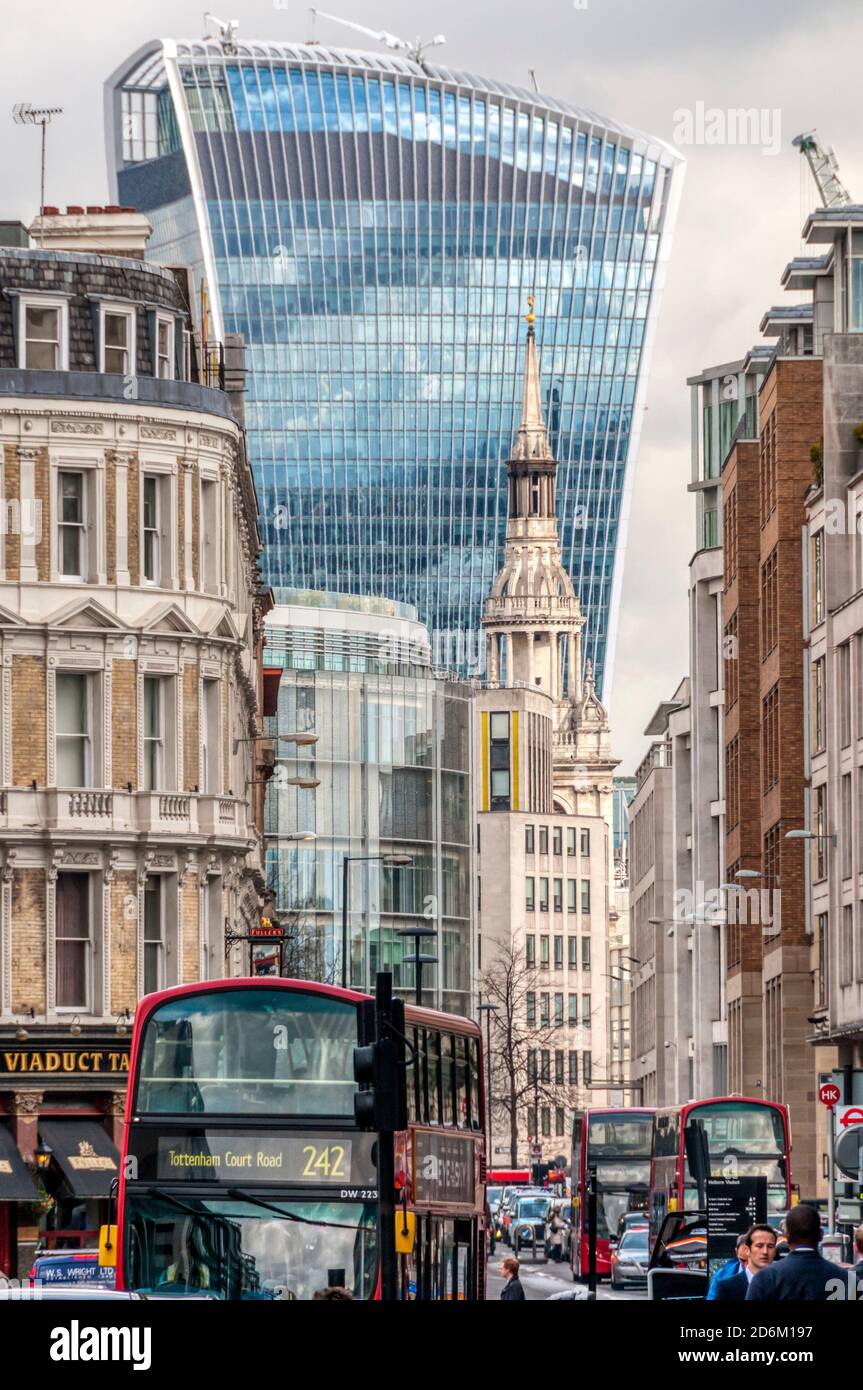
pixel 379 1070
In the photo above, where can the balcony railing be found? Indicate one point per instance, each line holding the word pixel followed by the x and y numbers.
pixel 659 755
pixel 85 811
pixel 91 803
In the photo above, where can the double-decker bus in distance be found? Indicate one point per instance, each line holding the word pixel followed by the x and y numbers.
pixel 726 1136
pixel 244 1174
pixel 618 1143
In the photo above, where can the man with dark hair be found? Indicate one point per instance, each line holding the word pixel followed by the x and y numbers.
pixel 760 1245
pixel 803 1275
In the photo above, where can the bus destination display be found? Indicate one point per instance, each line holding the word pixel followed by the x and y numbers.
pixel 228 1156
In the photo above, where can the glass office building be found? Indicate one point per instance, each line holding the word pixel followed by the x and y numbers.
pixel 373 227
pixel 392 771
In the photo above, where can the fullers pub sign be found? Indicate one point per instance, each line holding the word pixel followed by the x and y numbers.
pixel 64 1059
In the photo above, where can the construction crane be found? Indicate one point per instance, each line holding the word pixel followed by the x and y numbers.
pixel 413 50
pixel 825 170
pixel 227 30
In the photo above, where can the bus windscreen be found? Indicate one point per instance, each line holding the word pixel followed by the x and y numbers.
pixel 249 1052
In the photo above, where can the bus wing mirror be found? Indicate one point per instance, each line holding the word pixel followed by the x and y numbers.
pixel 406 1226
pixel 108 1247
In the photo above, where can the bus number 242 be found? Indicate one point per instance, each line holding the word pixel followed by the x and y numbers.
pixel 327 1162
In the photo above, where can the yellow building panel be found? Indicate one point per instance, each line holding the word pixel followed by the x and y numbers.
pixel 486 799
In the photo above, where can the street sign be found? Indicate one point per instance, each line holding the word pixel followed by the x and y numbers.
pixel 848 1115
pixel 829 1094
pixel 535 1152
pixel 733 1205
pixel 848 1150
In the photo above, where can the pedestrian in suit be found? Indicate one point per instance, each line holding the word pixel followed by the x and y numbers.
pixel 760 1244
pixel 512 1292
pixel 803 1276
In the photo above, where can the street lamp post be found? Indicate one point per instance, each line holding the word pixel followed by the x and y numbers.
pixel 418 960
pixel 348 859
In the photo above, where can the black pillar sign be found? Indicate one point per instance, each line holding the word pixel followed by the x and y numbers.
pixel 733 1205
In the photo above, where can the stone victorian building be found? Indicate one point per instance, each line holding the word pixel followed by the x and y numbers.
pixel 545 813
pixel 130 688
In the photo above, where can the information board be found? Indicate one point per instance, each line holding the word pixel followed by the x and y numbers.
pixel 733 1205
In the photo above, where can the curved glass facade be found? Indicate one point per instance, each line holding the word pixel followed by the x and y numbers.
pixel 393 759
pixel 373 228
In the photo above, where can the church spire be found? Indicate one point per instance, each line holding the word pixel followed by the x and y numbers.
pixel 532 439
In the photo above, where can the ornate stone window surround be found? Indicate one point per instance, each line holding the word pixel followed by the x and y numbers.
pixel 165 473
pixel 92 467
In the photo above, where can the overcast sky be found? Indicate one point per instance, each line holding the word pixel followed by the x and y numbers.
pixel 637 61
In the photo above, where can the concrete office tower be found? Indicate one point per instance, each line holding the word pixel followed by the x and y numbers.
pixel 371 226
pixel 545 797
pixel 833 620
pixel 724 406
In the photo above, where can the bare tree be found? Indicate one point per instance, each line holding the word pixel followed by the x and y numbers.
pixel 520 1083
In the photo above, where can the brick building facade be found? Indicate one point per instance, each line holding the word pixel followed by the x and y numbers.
pixel 769 989
pixel 130 632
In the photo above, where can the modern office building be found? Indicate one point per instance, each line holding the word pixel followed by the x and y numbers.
pixel 372 227
pixel 384 751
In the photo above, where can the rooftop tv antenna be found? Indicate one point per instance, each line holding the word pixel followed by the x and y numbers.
pixel 227 30
pixel 25 114
pixel 825 170
pixel 414 50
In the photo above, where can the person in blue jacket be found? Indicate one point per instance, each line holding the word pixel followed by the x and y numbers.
pixel 733 1267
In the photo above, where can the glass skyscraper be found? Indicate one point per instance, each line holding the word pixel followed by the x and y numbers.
pixel 373 227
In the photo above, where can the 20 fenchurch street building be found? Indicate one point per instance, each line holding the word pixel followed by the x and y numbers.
pixel 373 226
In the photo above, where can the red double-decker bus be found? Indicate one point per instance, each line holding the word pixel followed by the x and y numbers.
pixel 618 1143
pixel 724 1136
pixel 244 1174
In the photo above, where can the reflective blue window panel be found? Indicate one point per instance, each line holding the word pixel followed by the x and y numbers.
pixel 373 231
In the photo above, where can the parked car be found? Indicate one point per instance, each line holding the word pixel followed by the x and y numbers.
pixel 509 1203
pixel 629 1260
pixel 631 1221
pixel 53 1293
pixel 529 1219
pixel 493 1196
pixel 71 1267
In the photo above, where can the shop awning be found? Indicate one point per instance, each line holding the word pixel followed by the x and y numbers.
pixel 87 1157
pixel 16 1184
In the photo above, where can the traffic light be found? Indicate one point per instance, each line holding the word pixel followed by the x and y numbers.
pixel 379 1071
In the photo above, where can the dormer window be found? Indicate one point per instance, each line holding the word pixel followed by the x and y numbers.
pixel 43 334
pixel 165 347
pixel 117 343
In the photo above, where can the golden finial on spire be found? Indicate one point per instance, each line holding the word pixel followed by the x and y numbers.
pixel 530 316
